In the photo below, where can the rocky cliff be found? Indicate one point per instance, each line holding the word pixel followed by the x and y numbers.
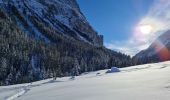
pixel 41 39
pixel 63 16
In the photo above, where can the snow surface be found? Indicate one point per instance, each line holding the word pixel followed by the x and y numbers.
pixel 144 82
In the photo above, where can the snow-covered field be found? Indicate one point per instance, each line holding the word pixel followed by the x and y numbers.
pixel 145 82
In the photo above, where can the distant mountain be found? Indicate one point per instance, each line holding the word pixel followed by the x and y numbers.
pixel 158 51
pixel 49 38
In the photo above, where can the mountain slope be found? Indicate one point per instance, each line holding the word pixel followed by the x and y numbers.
pixel 62 16
pixel 158 51
pixel 37 43
pixel 145 82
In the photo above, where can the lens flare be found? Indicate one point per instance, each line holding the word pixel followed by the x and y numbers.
pixel 162 51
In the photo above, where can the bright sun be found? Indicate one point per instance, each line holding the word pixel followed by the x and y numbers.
pixel 145 29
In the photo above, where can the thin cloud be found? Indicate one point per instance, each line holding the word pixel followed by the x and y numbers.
pixel 129 47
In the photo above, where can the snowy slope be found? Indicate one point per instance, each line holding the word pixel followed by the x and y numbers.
pixel 144 82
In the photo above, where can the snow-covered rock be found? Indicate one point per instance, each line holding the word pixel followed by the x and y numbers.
pixel 113 70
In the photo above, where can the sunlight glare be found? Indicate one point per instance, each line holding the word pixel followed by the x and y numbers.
pixel 145 29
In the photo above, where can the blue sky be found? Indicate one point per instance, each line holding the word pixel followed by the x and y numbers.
pixel 120 22
pixel 115 19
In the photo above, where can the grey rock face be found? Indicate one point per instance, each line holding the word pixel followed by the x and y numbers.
pixel 64 16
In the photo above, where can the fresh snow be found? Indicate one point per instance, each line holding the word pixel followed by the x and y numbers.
pixel 144 82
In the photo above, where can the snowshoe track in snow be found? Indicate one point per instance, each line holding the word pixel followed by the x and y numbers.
pixel 20 93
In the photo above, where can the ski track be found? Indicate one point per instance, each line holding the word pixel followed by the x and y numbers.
pixel 20 92
pixel 24 89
